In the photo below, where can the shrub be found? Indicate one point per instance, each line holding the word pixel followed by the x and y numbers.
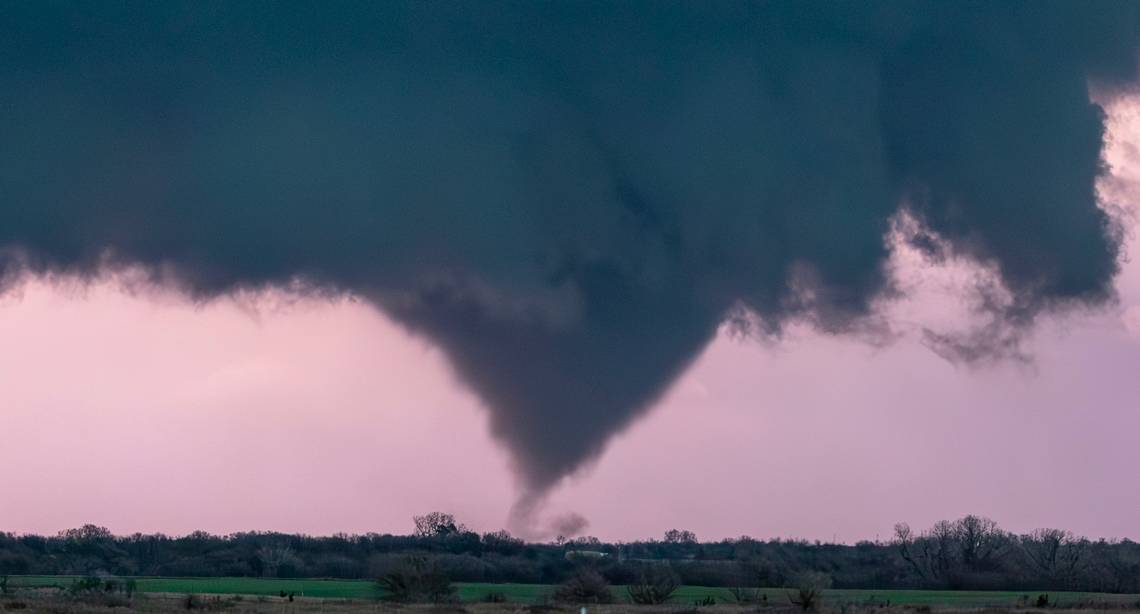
pixel 89 584
pixel 194 602
pixel 654 587
pixel 585 586
pixel 416 580
pixel 809 590
pixel 746 596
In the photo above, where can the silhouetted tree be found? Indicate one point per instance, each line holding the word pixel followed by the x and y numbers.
pixel 980 542
pixel 1054 554
pixel 502 542
pixel 437 524
pixel 676 536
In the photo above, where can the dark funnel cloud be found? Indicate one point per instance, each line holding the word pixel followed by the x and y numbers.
pixel 568 197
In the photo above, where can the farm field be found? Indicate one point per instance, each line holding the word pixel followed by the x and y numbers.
pixel 537 593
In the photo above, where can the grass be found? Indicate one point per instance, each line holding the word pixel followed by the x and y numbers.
pixel 536 593
pixel 343 589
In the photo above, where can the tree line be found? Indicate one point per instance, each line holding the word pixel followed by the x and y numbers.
pixel 969 553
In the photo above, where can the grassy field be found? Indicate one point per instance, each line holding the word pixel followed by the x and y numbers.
pixel 536 593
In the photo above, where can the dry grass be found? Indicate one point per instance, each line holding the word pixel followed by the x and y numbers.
pixel 55 603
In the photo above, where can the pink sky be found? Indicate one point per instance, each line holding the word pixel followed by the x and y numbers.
pixel 141 412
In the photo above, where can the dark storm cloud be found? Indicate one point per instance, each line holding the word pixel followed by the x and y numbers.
pixel 568 197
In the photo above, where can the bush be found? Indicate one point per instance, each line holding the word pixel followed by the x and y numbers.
pixel 89 584
pixel 809 590
pixel 416 580
pixel 585 586
pixel 654 587
pixel 745 596
pixel 194 602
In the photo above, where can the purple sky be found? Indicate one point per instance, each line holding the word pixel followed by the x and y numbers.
pixel 140 412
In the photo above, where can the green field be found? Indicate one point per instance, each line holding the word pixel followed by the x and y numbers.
pixel 534 593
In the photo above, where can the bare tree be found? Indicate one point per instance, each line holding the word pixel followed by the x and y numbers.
pixel 972 543
pixel 941 547
pixel 437 524
pixel 277 559
pixel 1119 565
pixel 809 589
pixel 980 541
pixel 87 533
pixel 678 536
pixel 1054 553
pixel 910 552
pixel 930 554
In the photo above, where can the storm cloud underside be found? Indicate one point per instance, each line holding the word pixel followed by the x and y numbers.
pixel 568 198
